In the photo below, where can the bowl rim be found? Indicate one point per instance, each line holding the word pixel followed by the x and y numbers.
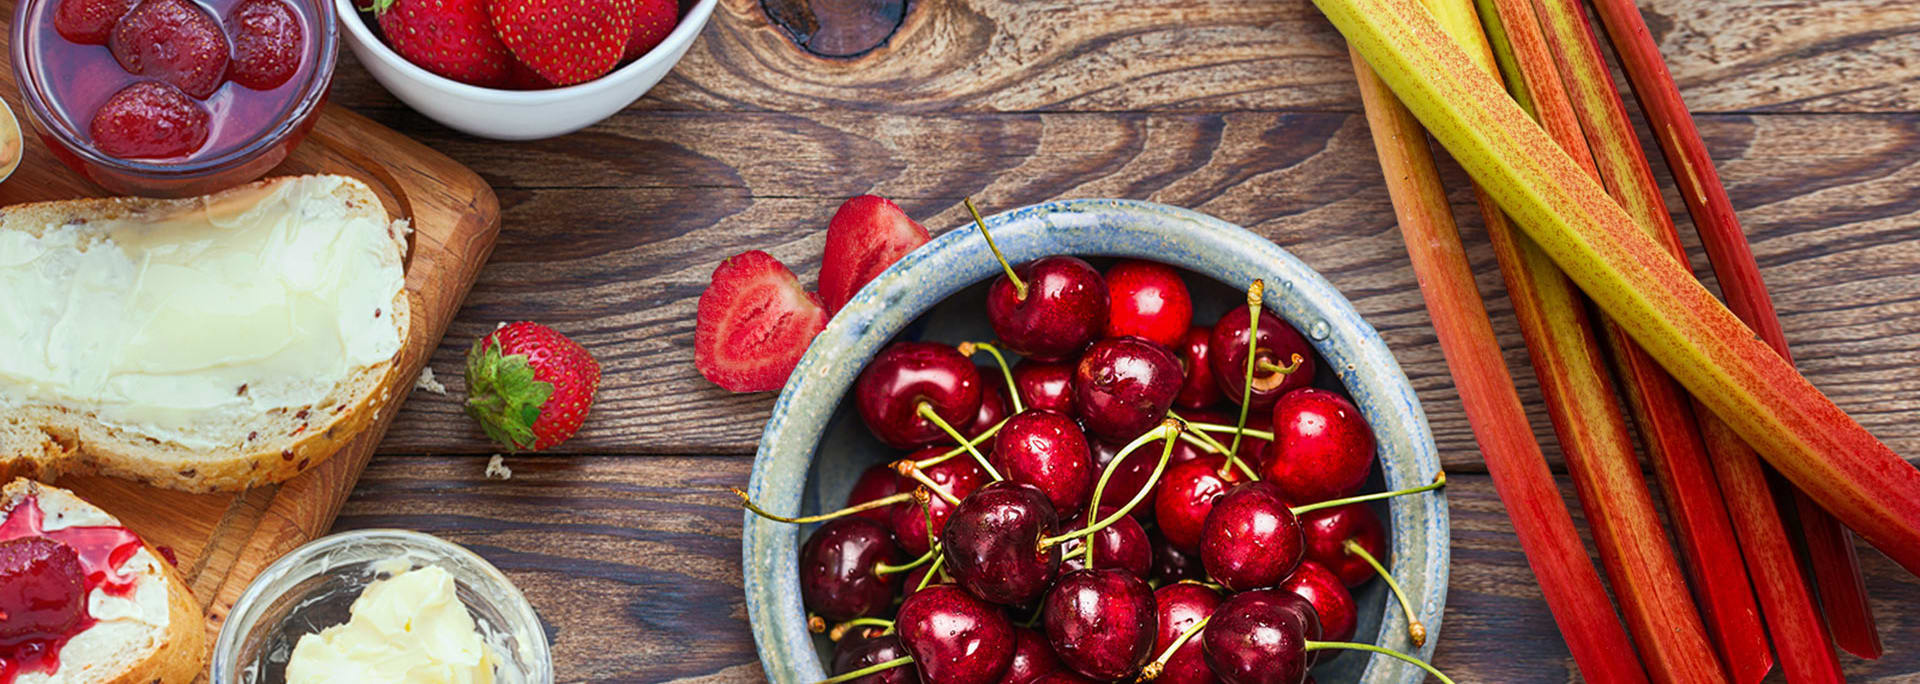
pixel 689 28
pixel 957 259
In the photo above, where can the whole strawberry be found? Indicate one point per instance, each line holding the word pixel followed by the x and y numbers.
pixel 653 20
pixel 452 38
pixel 565 41
pixel 530 386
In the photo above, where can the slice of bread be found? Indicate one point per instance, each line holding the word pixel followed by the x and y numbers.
pixel 133 424
pixel 154 634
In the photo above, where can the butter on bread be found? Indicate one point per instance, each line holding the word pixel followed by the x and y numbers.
pixel 154 634
pixel 203 344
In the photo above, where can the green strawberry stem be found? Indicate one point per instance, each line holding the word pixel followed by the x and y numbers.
pixel 503 395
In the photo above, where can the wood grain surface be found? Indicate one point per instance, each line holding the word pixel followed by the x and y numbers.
pixel 1244 109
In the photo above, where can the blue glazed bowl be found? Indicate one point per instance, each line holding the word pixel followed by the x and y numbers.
pixel 814 447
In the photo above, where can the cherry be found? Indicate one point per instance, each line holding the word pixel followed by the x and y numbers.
pixel 1187 495
pixel 994 406
pixel 1252 449
pixel 1258 638
pixel 1330 598
pixel 1032 657
pixel 43 590
pixel 1101 622
pixel 908 375
pixel 1329 529
pixel 1180 606
pixel 1047 450
pixel 855 653
pixel 266 43
pixel 1198 388
pixel 1062 676
pixel 88 22
pixel 1148 300
pixel 1277 344
pixel 1122 545
pixel 915 579
pixel 174 41
pixel 957 477
pixel 1251 539
pixel 1045 385
pixel 1171 564
pixel 878 481
pixel 837 569
pixel 1131 476
pixel 1323 448
pixel 992 543
pixel 149 120
pixel 955 638
pixel 1124 386
pixel 1048 308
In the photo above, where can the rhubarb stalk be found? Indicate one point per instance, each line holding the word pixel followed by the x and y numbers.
pixel 1567 578
pixel 1632 278
pixel 1829 546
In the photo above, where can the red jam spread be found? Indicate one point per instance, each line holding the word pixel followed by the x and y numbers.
pixel 45 578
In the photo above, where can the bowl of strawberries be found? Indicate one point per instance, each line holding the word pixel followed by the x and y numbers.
pixel 1086 440
pixel 520 69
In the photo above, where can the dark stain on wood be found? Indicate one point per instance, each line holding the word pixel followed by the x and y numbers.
pixel 837 28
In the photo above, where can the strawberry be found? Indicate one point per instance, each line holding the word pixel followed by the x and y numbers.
pixel 755 322
pixel 452 38
pixel 174 41
pixel 866 236
pixel 565 41
pixel 149 120
pixel 652 21
pixel 266 43
pixel 530 386
pixel 88 21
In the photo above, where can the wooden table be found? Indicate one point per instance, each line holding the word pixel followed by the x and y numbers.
pixel 625 538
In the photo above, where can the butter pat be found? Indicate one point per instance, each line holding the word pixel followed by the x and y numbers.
pixel 410 628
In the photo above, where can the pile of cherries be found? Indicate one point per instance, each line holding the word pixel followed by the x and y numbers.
pixel 1109 466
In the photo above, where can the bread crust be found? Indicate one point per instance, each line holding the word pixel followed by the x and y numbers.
pixel 45 442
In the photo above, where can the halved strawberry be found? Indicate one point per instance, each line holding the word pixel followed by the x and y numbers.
pixel 866 236
pixel 755 322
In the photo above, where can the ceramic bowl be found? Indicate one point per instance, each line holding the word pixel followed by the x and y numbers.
pixel 519 114
pixel 814 446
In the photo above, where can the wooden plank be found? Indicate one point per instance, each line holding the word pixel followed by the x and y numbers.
pixel 634 565
pixel 612 233
pixel 1208 55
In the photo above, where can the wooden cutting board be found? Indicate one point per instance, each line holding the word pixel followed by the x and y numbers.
pixel 220 541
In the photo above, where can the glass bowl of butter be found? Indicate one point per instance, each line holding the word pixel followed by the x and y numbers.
pixel 381 605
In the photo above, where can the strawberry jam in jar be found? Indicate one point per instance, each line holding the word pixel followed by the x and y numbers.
pixel 170 98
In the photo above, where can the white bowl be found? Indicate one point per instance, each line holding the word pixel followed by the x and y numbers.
pixel 518 114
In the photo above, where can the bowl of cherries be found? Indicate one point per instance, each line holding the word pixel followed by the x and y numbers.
pixel 1096 440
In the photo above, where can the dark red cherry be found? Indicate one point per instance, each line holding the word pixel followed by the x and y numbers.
pixel 1179 606
pixel 992 543
pixel 1186 496
pixel 907 374
pixel 1327 531
pixel 1062 676
pixel 1323 448
pixel 1131 476
pixel 1101 622
pixel 1124 386
pixel 43 590
pixel 1147 300
pixel 1033 657
pixel 1122 545
pixel 1251 538
pixel 994 406
pixel 1257 638
pixel 1171 564
pixel 1198 388
pixel 1277 344
pixel 853 653
pixel 1252 449
pixel 912 585
pixel 958 476
pixel 836 569
pixel 1047 450
pixel 1330 598
pixel 1045 385
pixel 878 481
pixel 1065 307
pixel 954 637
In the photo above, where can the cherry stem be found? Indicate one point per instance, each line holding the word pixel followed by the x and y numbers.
pixel 1013 391
pixel 885 569
pixel 956 451
pixel 907 469
pixel 1293 364
pixel 1019 286
pixel 870 669
pixel 926 411
pixel 1254 294
pixel 882 502
pixel 1439 480
pixel 1168 430
pixel 839 631
pixel 1154 668
pixel 1415 630
pixel 938 560
pixel 1216 427
pixel 1201 438
pixel 1351 646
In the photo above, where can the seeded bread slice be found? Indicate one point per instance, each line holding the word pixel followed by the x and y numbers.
pixel 43 439
pixel 167 645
